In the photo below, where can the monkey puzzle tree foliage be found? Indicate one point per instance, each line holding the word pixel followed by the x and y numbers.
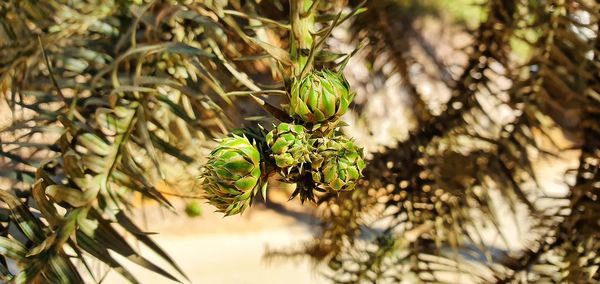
pixel 113 102
pixel 427 202
pixel 120 100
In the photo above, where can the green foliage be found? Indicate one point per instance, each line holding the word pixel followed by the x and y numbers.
pixel 112 102
pixel 115 102
pixel 469 12
pixel 193 209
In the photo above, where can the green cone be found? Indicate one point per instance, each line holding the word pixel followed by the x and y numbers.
pixel 232 175
pixel 320 96
pixel 337 164
pixel 291 147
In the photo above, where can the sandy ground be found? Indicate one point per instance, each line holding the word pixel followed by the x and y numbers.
pixel 232 258
pixel 243 253
pixel 213 249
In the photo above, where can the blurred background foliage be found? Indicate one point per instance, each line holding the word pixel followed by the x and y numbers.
pixel 109 105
